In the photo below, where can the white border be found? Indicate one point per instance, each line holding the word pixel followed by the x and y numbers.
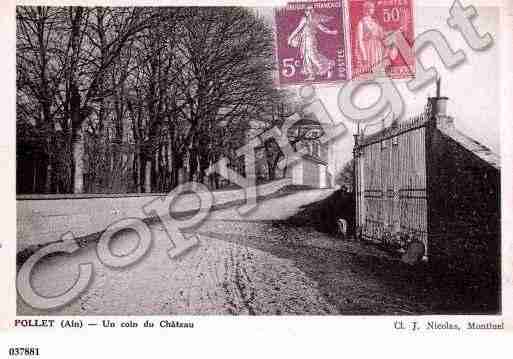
pixel 242 336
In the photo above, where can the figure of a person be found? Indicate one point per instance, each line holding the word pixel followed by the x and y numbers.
pixel 370 36
pixel 304 36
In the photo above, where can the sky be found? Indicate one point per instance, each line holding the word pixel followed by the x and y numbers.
pixel 473 87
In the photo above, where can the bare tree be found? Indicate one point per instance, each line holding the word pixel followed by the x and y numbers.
pixel 39 75
pixel 224 79
pixel 137 98
pixel 97 38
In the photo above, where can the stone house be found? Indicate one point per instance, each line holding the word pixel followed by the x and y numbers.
pixel 425 181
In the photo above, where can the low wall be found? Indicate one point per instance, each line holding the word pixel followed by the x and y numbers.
pixel 45 218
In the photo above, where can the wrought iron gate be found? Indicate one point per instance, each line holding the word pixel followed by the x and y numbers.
pixel 391 186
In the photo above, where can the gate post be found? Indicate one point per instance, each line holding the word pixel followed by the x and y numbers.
pixel 356 186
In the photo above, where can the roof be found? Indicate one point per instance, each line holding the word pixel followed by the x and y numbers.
pixel 473 146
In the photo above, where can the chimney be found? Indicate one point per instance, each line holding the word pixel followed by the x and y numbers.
pixel 439 109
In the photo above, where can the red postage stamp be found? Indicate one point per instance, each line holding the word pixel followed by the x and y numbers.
pixel 310 43
pixel 370 23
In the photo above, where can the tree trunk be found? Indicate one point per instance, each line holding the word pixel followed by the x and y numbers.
pixel 176 164
pixel 270 171
pixel 137 169
pixel 49 176
pixel 193 164
pixel 217 183
pixel 168 168
pixel 175 174
pixel 78 161
pixel 157 166
pixel 147 176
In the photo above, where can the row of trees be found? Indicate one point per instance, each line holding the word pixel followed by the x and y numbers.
pixel 138 99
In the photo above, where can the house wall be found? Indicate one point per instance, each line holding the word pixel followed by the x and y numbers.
pixel 311 175
pixel 296 171
pixel 327 151
pixel 464 206
pixel 323 179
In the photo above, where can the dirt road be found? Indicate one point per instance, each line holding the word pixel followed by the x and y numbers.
pixel 243 265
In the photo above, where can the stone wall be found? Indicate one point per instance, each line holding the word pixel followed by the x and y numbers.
pixel 45 218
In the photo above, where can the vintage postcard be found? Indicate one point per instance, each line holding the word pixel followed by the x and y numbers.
pixel 119 165
pixel 329 167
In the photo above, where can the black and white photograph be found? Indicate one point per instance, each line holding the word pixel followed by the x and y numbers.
pixel 163 169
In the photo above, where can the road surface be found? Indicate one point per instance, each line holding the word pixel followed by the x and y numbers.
pixel 243 265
